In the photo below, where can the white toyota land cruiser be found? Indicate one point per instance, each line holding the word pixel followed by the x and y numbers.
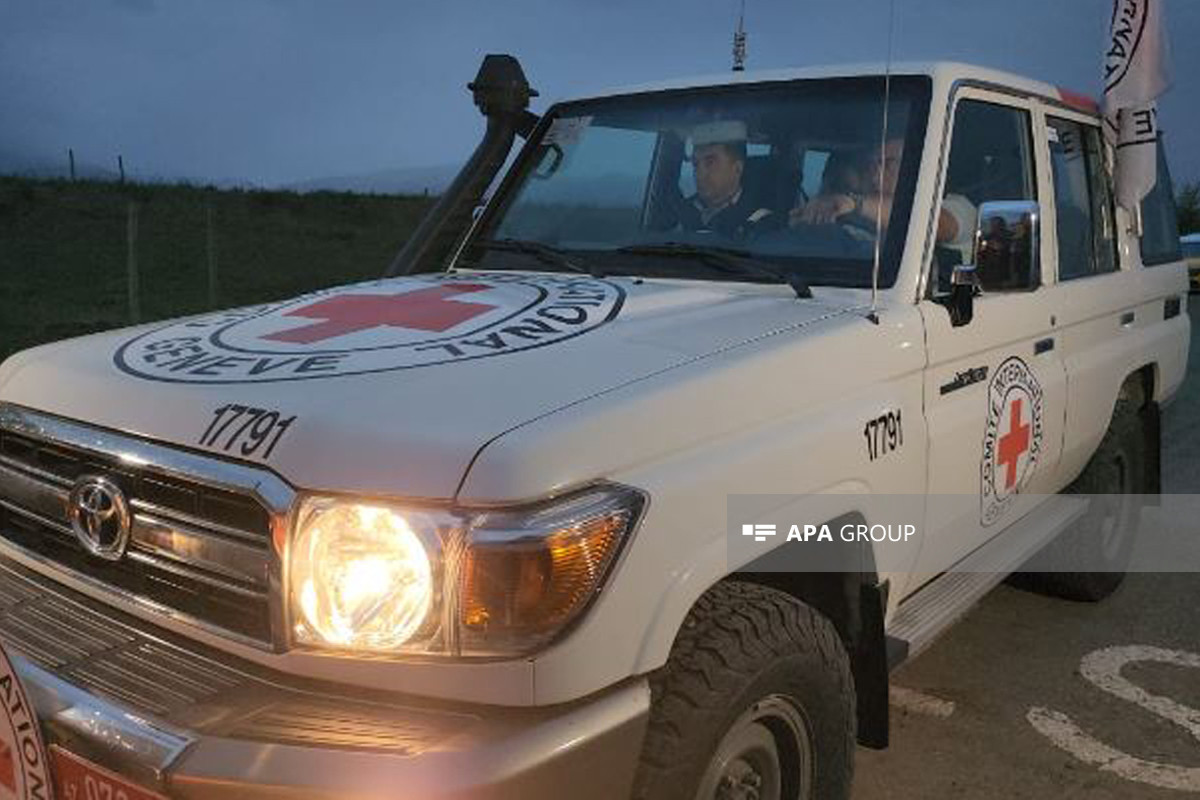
pixel 470 532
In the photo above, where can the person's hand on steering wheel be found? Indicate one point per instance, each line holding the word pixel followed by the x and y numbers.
pixel 824 209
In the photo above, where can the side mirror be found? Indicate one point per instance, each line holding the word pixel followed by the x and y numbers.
pixel 1004 257
pixel 1007 246
pixel 964 285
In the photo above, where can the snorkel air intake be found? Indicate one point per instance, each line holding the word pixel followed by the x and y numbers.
pixel 502 94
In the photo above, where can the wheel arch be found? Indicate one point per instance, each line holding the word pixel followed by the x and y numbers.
pixel 1139 389
pixel 1139 386
pixel 855 602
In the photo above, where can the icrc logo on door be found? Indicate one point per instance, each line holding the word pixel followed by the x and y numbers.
pixel 1012 440
pixel 377 327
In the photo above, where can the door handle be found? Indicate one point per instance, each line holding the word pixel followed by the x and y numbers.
pixel 1127 319
pixel 1043 346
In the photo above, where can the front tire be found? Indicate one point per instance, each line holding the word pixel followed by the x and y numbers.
pixel 756 703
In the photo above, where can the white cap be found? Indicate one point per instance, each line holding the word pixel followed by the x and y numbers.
pixel 721 131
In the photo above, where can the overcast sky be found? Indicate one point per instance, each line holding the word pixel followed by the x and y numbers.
pixel 275 91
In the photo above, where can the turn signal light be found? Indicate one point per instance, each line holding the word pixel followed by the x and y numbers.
pixel 520 587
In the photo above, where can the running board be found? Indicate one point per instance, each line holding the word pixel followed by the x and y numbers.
pixel 920 619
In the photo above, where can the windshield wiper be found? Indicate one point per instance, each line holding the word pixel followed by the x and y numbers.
pixel 723 259
pixel 542 252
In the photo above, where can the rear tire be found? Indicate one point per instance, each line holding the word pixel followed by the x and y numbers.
pixel 1090 559
pixel 756 703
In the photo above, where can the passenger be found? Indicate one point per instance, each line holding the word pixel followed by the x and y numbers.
pixel 720 204
pixel 858 190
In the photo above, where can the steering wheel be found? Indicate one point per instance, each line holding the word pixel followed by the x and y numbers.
pixel 854 222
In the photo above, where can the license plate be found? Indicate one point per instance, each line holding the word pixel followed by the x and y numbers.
pixel 78 779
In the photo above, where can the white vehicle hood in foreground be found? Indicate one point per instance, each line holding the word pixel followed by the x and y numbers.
pixel 396 384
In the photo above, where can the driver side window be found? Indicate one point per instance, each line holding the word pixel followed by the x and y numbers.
pixel 991 159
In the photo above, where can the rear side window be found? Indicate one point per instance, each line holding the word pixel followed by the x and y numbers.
pixel 1084 206
pixel 1160 227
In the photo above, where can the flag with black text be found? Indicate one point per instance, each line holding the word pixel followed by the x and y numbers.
pixel 1136 71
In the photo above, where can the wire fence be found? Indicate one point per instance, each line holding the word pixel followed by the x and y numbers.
pixel 80 257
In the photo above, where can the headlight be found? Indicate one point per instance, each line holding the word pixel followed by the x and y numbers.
pixel 363 576
pixel 381 578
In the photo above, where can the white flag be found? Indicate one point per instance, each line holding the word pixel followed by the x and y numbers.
pixel 1136 71
pixel 1137 154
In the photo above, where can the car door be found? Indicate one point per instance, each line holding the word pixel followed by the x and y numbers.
pixel 995 387
pixel 1113 310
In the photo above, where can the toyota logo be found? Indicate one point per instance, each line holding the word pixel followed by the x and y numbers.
pixel 100 517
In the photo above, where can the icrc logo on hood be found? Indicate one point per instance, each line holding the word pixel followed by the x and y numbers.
pixel 377 327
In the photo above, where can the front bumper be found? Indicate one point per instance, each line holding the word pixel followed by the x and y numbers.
pixel 190 722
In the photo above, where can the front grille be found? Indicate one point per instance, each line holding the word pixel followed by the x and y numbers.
pixel 89 650
pixel 182 497
pixel 189 687
pixel 200 544
pixel 227 605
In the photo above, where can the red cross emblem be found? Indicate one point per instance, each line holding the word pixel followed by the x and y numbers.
pixel 434 310
pixel 1013 444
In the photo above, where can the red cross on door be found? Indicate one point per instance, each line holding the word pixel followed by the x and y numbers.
pixel 1014 443
pixel 434 310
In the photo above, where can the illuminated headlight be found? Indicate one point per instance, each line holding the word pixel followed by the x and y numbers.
pixel 381 578
pixel 362 576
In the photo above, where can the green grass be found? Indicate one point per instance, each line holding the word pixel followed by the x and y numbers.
pixel 63 250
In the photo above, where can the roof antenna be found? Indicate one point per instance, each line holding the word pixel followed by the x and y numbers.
pixel 873 316
pixel 739 42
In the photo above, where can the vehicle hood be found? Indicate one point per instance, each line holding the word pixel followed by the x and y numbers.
pixel 395 385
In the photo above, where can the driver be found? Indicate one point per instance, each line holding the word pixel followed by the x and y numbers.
pixel 860 193
pixel 719 204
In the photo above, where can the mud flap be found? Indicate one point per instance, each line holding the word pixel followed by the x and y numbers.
pixel 870 664
pixel 1152 428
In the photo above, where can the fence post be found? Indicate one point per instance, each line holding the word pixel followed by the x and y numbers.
pixel 211 247
pixel 131 237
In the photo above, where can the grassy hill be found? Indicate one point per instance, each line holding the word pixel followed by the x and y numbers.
pixel 63 250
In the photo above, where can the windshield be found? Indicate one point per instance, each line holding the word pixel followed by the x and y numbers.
pixel 1191 249
pixel 788 174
